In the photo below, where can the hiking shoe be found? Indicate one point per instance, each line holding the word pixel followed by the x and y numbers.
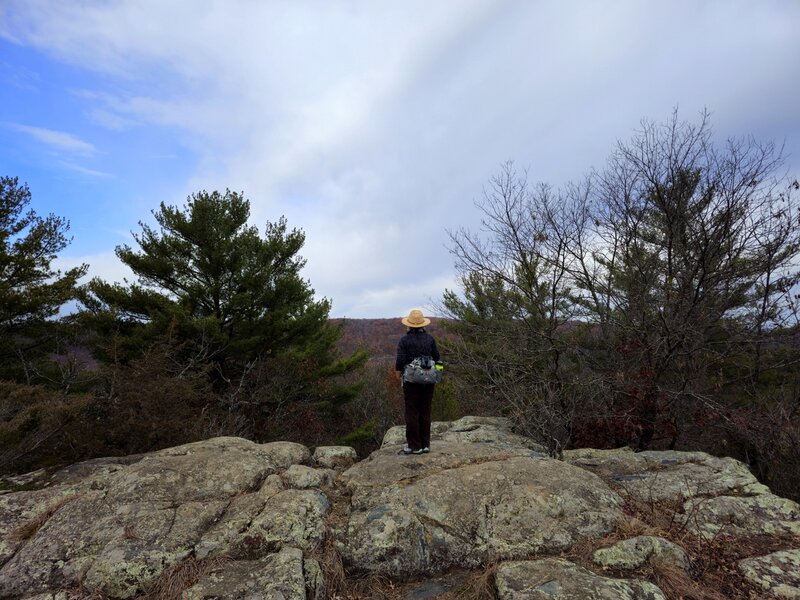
pixel 425 450
pixel 406 450
pixel 420 451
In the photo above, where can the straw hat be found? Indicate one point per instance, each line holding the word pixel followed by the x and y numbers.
pixel 415 319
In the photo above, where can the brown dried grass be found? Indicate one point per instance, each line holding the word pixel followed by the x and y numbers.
pixel 341 585
pixel 171 583
pixel 330 562
pixel 715 560
pixel 28 529
pixel 479 586
pixel 714 574
pixel 677 583
pixel 373 586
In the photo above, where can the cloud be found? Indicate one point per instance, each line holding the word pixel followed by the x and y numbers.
pixel 374 126
pixel 104 265
pixel 110 119
pixel 372 302
pixel 57 140
pixel 86 171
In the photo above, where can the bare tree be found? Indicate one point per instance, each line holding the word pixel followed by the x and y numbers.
pixel 659 280
pixel 698 246
pixel 516 306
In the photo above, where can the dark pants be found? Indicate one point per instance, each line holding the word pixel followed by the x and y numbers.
pixel 418 398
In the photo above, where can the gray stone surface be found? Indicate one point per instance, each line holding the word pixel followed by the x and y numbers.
pixel 335 457
pixel 558 579
pixel 21 509
pixel 226 533
pixel 709 494
pixel 483 494
pixel 467 503
pixel 95 468
pixel 637 551
pixel 278 576
pixel 303 477
pixel 127 523
pixel 668 475
pixel 494 431
pixel 742 515
pixel 777 573
pixel 25 479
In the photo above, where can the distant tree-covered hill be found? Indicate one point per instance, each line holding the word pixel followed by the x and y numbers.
pixel 379 336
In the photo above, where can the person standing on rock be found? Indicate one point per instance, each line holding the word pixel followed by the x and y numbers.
pixel 416 343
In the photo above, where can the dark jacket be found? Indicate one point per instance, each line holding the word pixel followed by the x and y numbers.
pixel 417 342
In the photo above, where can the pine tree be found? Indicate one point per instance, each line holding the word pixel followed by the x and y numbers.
pixel 233 299
pixel 31 290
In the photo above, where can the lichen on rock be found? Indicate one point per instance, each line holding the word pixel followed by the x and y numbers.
pixel 256 515
pixel 130 522
pixel 635 552
pixel 334 457
pixel 554 578
pixel 466 504
pixel 278 576
pixel 742 515
pixel 777 573
pixel 303 477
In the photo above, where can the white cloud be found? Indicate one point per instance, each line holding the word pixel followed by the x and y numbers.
pixel 110 120
pixel 373 126
pixel 85 171
pixel 57 140
pixel 392 300
pixel 104 265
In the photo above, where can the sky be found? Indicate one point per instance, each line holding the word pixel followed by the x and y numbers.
pixel 372 126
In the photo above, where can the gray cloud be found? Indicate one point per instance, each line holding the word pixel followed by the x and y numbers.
pixel 374 126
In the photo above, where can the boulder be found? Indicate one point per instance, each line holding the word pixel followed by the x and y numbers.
pixel 335 457
pixel 667 476
pixel 117 560
pixel 23 513
pixel 252 516
pixel 266 521
pixel 777 573
pixel 385 467
pixel 466 504
pixel 127 523
pixel 26 479
pixel 638 551
pixel 294 517
pixel 226 532
pixel 303 477
pixel 279 576
pixel 397 435
pixel 554 578
pixel 489 430
pixel 742 515
pixel 707 493
pixel 96 468
pixel 494 431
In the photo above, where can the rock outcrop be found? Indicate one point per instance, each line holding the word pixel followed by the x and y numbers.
pixel 551 578
pixel 468 504
pixel 228 518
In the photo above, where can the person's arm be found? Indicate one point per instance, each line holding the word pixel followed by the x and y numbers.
pixel 400 362
pixel 435 351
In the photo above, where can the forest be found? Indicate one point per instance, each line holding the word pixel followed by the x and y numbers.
pixel 651 303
